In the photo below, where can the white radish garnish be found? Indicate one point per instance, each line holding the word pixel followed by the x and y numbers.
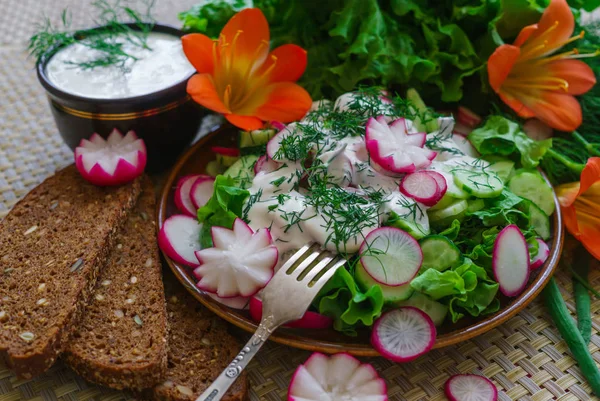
pixel 464 145
pixel 427 187
pixel 391 256
pixel 468 387
pixel 510 261
pixel 266 164
pixel 240 263
pixel 339 377
pixel 541 256
pixel 393 149
pixel 114 161
pixel 183 199
pixel 179 239
pixel 201 191
pixel 467 117
pixel 233 302
pixel 274 144
pixel 403 334
pixel 310 320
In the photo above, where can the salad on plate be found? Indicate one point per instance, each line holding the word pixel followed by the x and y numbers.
pixel 428 216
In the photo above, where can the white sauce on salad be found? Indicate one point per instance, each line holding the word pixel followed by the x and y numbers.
pixel 156 68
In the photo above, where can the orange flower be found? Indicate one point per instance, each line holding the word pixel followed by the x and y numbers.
pixel 238 77
pixel 580 204
pixel 534 82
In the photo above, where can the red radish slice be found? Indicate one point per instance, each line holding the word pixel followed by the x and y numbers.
pixel 543 252
pixel 234 302
pixel 423 187
pixel 277 125
pixel 114 161
pixel 391 256
pixel 462 130
pixel 336 378
pixel 240 263
pixel 470 388
pixel 265 164
pixel 439 179
pixel 403 334
pixel 510 261
pixel 221 150
pixel 468 117
pixel 201 191
pixel 179 239
pixel 310 320
pixel 183 199
pixel 393 149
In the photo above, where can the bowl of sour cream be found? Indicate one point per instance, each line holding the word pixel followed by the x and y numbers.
pixel 145 93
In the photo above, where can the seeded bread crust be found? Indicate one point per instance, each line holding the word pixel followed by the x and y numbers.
pixel 52 246
pixel 121 341
pixel 199 349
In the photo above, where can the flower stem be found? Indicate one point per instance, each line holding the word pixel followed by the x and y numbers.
pixel 590 147
pixel 570 164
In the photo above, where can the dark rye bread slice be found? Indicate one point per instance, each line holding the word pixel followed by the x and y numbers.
pixel 52 245
pixel 199 349
pixel 121 341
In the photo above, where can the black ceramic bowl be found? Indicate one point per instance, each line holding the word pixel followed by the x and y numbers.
pixel 167 120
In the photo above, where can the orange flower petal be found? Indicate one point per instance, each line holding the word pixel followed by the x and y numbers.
pixel 590 175
pixel 500 63
pixel 578 74
pixel 516 105
pixel 567 193
pixel 202 89
pixel 560 111
pixel 285 102
pixel 525 34
pixel 247 123
pixel 555 27
pixel 590 238
pixel 287 63
pixel 198 50
pixel 247 36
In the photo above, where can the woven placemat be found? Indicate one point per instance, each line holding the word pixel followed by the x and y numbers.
pixel 526 357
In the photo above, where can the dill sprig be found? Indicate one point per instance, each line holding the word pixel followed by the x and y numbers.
pixel 107 40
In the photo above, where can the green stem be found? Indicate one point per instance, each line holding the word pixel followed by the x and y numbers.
pixel 583 304
pixel 590 147
pixel 569 332
pixel 570 164
pixel 584 282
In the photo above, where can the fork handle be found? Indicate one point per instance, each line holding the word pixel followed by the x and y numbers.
pixel 226 379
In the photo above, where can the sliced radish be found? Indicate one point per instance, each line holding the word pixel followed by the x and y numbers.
pixel 403 334
pixel 274 143
pixel 468 117
pixel 423 187
pixel 440 181
pixel 543 252
pixel 114 161
pixel 339 377
pixel 464 145
pixel 234 302
pixel 223 151
pixel 277 125
pixel 391 256
pixel 462 130
pixel 470 388
pixel 535 129
pixel 179 239
pixel 201 190
pixel 183 191
pixel 393 149
pixel 265 164
pixel 510 261
pixel 240 263
pixel 310 320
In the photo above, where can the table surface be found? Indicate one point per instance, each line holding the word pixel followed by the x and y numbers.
pixel 526 357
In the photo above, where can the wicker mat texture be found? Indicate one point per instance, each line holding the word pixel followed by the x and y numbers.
pixel 525 357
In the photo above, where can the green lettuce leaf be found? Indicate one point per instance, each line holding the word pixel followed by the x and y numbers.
pixel 438 284
pixel 222 208
pixel 504 137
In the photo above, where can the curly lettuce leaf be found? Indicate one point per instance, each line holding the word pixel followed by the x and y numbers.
pixel 222 208
pixel 500 136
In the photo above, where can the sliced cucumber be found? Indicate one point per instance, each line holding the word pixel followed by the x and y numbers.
pixel 539 221
pixel 425 121
pixel 257 137
pixel 446 201
pixel 477 180
pixel 390 294
pixel 439 253
pixel 227 161
pixel 214 168
pixel 242 171
pixel 446 215
pixel 475 205
pixel 415 229
pixel 503 168
pixel 436 311
pixel 530 185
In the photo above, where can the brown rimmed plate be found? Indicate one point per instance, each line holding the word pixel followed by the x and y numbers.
pixel 194 162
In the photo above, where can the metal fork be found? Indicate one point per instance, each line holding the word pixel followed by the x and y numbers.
pixel 286 297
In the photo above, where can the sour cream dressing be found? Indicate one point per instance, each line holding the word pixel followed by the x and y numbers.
pixel 156 68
